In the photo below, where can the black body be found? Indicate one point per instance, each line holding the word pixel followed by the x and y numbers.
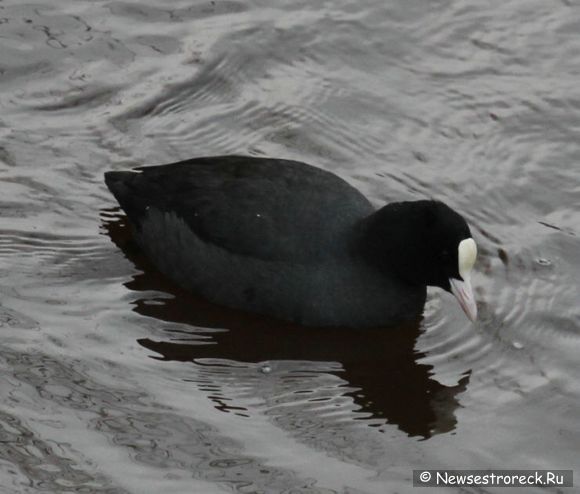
pixel 289 240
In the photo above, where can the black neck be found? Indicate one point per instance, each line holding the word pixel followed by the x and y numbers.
pixel 394 241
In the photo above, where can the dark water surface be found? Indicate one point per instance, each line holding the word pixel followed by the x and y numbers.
pixel 114 381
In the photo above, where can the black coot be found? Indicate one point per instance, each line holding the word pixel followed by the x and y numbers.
pixel 293 241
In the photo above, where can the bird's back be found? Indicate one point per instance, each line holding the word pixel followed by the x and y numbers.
pixel 270 209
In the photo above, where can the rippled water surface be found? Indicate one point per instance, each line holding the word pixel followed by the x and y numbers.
pixel 113 380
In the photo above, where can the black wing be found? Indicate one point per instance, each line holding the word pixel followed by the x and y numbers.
pixel 267 208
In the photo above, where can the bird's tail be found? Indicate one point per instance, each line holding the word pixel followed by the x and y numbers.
pixel 123 187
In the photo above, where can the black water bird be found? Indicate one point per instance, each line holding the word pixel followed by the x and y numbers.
pixel 290 240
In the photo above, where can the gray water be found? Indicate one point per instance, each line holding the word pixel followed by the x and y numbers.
pixel 114 381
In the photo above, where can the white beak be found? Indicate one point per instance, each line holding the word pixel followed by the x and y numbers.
pixel 466 254
pixel 464 294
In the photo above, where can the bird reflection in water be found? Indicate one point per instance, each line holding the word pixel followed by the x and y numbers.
pixel 379 366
